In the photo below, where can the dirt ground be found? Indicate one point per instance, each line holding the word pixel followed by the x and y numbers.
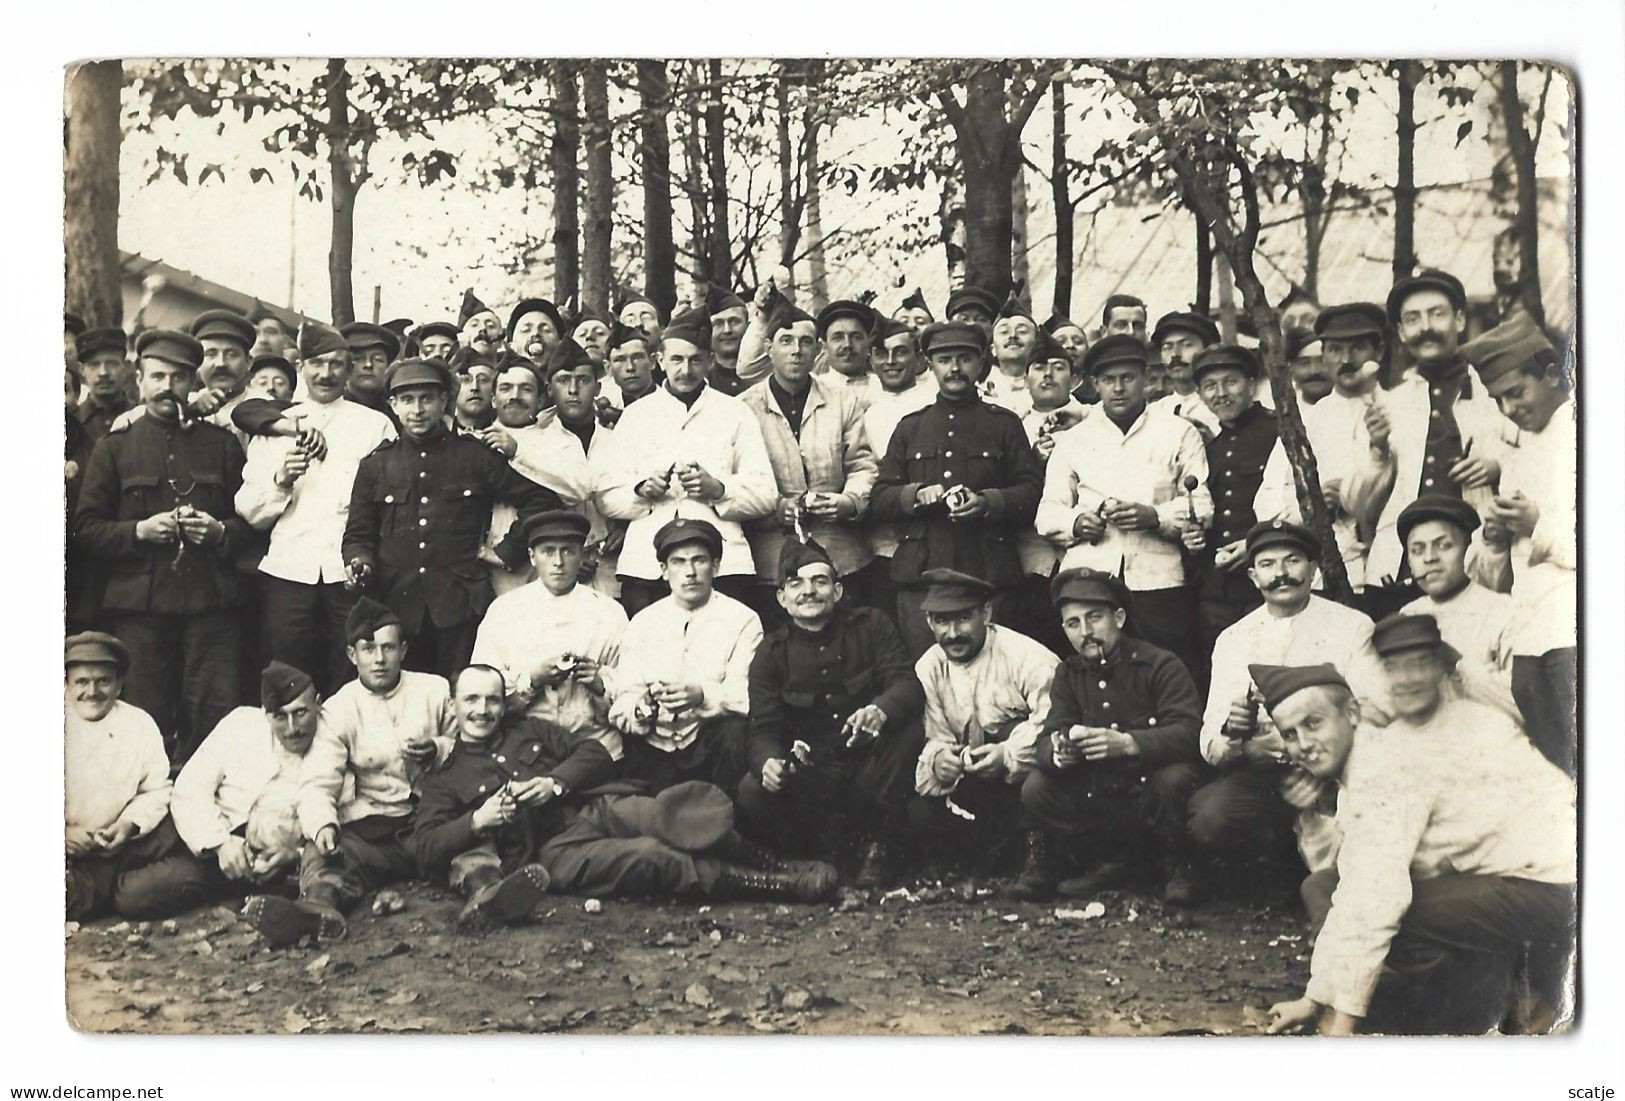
pixel 928 961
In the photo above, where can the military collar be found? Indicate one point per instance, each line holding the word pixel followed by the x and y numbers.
pixel 1253 413
pixel 973 397
pixel 435 438
pixel 837 619
pixel 1127 654
pixel 1453 371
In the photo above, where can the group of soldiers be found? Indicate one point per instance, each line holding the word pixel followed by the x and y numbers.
pixel 752 602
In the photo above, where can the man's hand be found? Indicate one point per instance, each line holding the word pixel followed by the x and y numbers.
pixel 772 775
pixel 1242 722
pixel 356 573
pixel 1265 747
pixel 946 768
pixel 234 858
pixel 1475 473
pixel 1517 514
pixel 1332 493
pixel 268 866
pixel 973 505
pixel 113 838
pixel 159 528
pixel 1378 427
pixel 200 527
pixel 312 443
pixel 985 760
pixel 79 841
pixel 554 671
pixel 589 673
pixel 1042 447
pixel 1301 790
pixel 830 506
pixel 926 496
pixel 698 483
pixel 677 698
pixel 1193 536
pixel 499 439
pixel 1292 1017
pixel 327 840
pixel 1089 527
pixel 535 791
pixel 292 469
pixel 1495 533
pixel 1099 744
pixel 1064 750
pixel 204 402
pixel 1231 556
pixel 863 725
pixel 656 486
pixel 496 812
pixel 1131 516
pixel 420 750
pixel 788 507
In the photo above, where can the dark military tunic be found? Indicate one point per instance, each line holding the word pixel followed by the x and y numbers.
pixel 524 749
pixel 98 419
pixel 418 513
pixel 971 443
pixel 1446 383
pixel 1235 464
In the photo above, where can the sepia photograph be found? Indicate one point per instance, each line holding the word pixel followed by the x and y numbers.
pixel 822 546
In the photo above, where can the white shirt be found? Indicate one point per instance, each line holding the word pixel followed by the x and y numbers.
pixel 1335 428
pixel 1194 409
pixel 307 521
pixel 1147 465
pixel 361 735
pixel 217 787
pixel 1463 794
pixel 117 770
pixel 1477 621
pixel 1324 631
pixel 886 409
pixel 530 625
pixel 711 646
pixel 720 434
pixel 1009 391
pixel 1004 690
pixel 1039 555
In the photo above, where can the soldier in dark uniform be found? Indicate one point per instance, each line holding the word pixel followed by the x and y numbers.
pixel 1227 378
pixel 960 476
pixel 418 511
pixel 834 722
pixel 729 316
pixel 101 375
pixel 156 508
pixel 77 446
pixel 372 349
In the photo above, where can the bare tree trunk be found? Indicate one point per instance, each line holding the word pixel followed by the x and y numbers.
pixel 1227 302
pixel 1408 73
pixel 694 186
pixel 346 182
pixel 659 251
pixel 1019 272
pixel 789 209
pixel 90 193
pixel 1204 268
pixel 716 159
pixel 1315 215
pixel 1062 301
pixel 817 277
pixel 988 217
pixel 951 213
pixel 1526 217
pixel 595 271
pixel 566 182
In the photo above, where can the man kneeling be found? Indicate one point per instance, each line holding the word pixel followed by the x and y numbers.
pixel 522 805
pixel 1458 853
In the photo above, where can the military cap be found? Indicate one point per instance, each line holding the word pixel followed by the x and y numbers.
pixel 844 307
pixel 471 307
pixel 72 323
pixel 96 646
pixel 1109 351
pixel 1056 323
pixel 684 529
pixel 1181 321
pixel 91 341
pixel 400 326
pixel 619 334
pixel 692 325
pixel 1278 683
pixel 796 554
pixel 171 347
pixel 555 524
pixel 316 339
pixel 275 362
pixel 941 336
pixel 785 313
pixel 633 299
pixel 566 355
pixel 281 684
pixel 1015 307
pixel 224 325
pixel 1429 280
pixel 972 296
pixel 916 301
pixel 535 305
pixel 1510 346
pixel 1090 586
pixel 890 328
pixel 578 318
pixel 261 312
pixel 952 591
pixel 1299 345
pixel 361 335
pixel 1046 348
pixel 1276 533
pixel 419 372
pixel 692 816
pixel 367 618
pixel 1225 355
pixel 437 328
pixel 1401 632
pixel 1351 319
pixel 718 299
pixel 466 359
pixel 1437 506
pixel 510 360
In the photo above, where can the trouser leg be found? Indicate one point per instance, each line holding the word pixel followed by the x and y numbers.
pixel 1030 612
pixel 716 755
pixel 173 884
pixel 1240 811
pixel 336 605
pixel 212 653
pixel 153 682
pixel 994 805
pixel 1163 617
pixel 1544 688
pixel 1316 892
pixel 295 626
pixel 608 850
pixel 911 623
pixel 358 866
pixel 97 884
pixel 481 858
pixel 638 593
pixel 443 651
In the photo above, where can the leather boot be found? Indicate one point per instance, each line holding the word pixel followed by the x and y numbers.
pixel 878 868
pixel 284 921
pixel 1186 886
pixel 737 849
pixel 1037 880
pixel 495 899
pixel 815 883
pixel 1103 877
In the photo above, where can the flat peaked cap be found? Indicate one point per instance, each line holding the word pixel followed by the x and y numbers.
pixel 96 646
pixel 969 295
pixel 686 530
pixel 91 341
pixel 1278 533
pixel 1429 280
pixel 692 816
pixel 170 346
pixel 1411 632
pixel 555 524
pixel 1351 319
pixel 940 336
pixel 952 591
pixel 437 328
pixel 1118 348
pixel 1181 321
pixel 224 325
pixel 275 362
pixel 1089 586
pixel 1277 683
pixel 360 335
pixel 1213 358
pixel 419 372
pixel 1436 506
pixel 860 312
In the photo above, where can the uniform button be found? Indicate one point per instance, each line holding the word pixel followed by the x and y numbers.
pixel 947 474
pixel 1227 493
pixel 535 749
pixel 423 523
pixel 423 474
pixel 1228 454
pixel 1436 414
pixel 1106 705
pixel 482 788
pixel 423 569
pixel 423 546
pixel 423 500
pixel 1114 726
pixel 502 760
pixel 1227 512
pixel 947 454
pixel 1152 721
pixel 1428 482
pixel 1102 684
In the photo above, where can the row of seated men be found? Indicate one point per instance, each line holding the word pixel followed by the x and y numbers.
pixel 1439 841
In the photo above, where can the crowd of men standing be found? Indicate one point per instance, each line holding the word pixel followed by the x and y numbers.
pixel 751 601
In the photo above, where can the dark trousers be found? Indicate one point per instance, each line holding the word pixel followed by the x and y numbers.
pixel 1029 610
pixel 1544 688
pixel 372 853
pixel 1113 812
pixel 610 850
pixel 305 627
pixel 1242 812
pixel 852 795
pixel 1451 965
pixel 716 755
pixel 128 882
pixel 1222 597
pixel 441 650
pixel 183 672
pixel 916 632
pixel 638 593
pixel 995 804
pixel 1165 618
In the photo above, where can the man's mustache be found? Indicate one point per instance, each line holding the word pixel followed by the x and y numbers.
pixel 1283 582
